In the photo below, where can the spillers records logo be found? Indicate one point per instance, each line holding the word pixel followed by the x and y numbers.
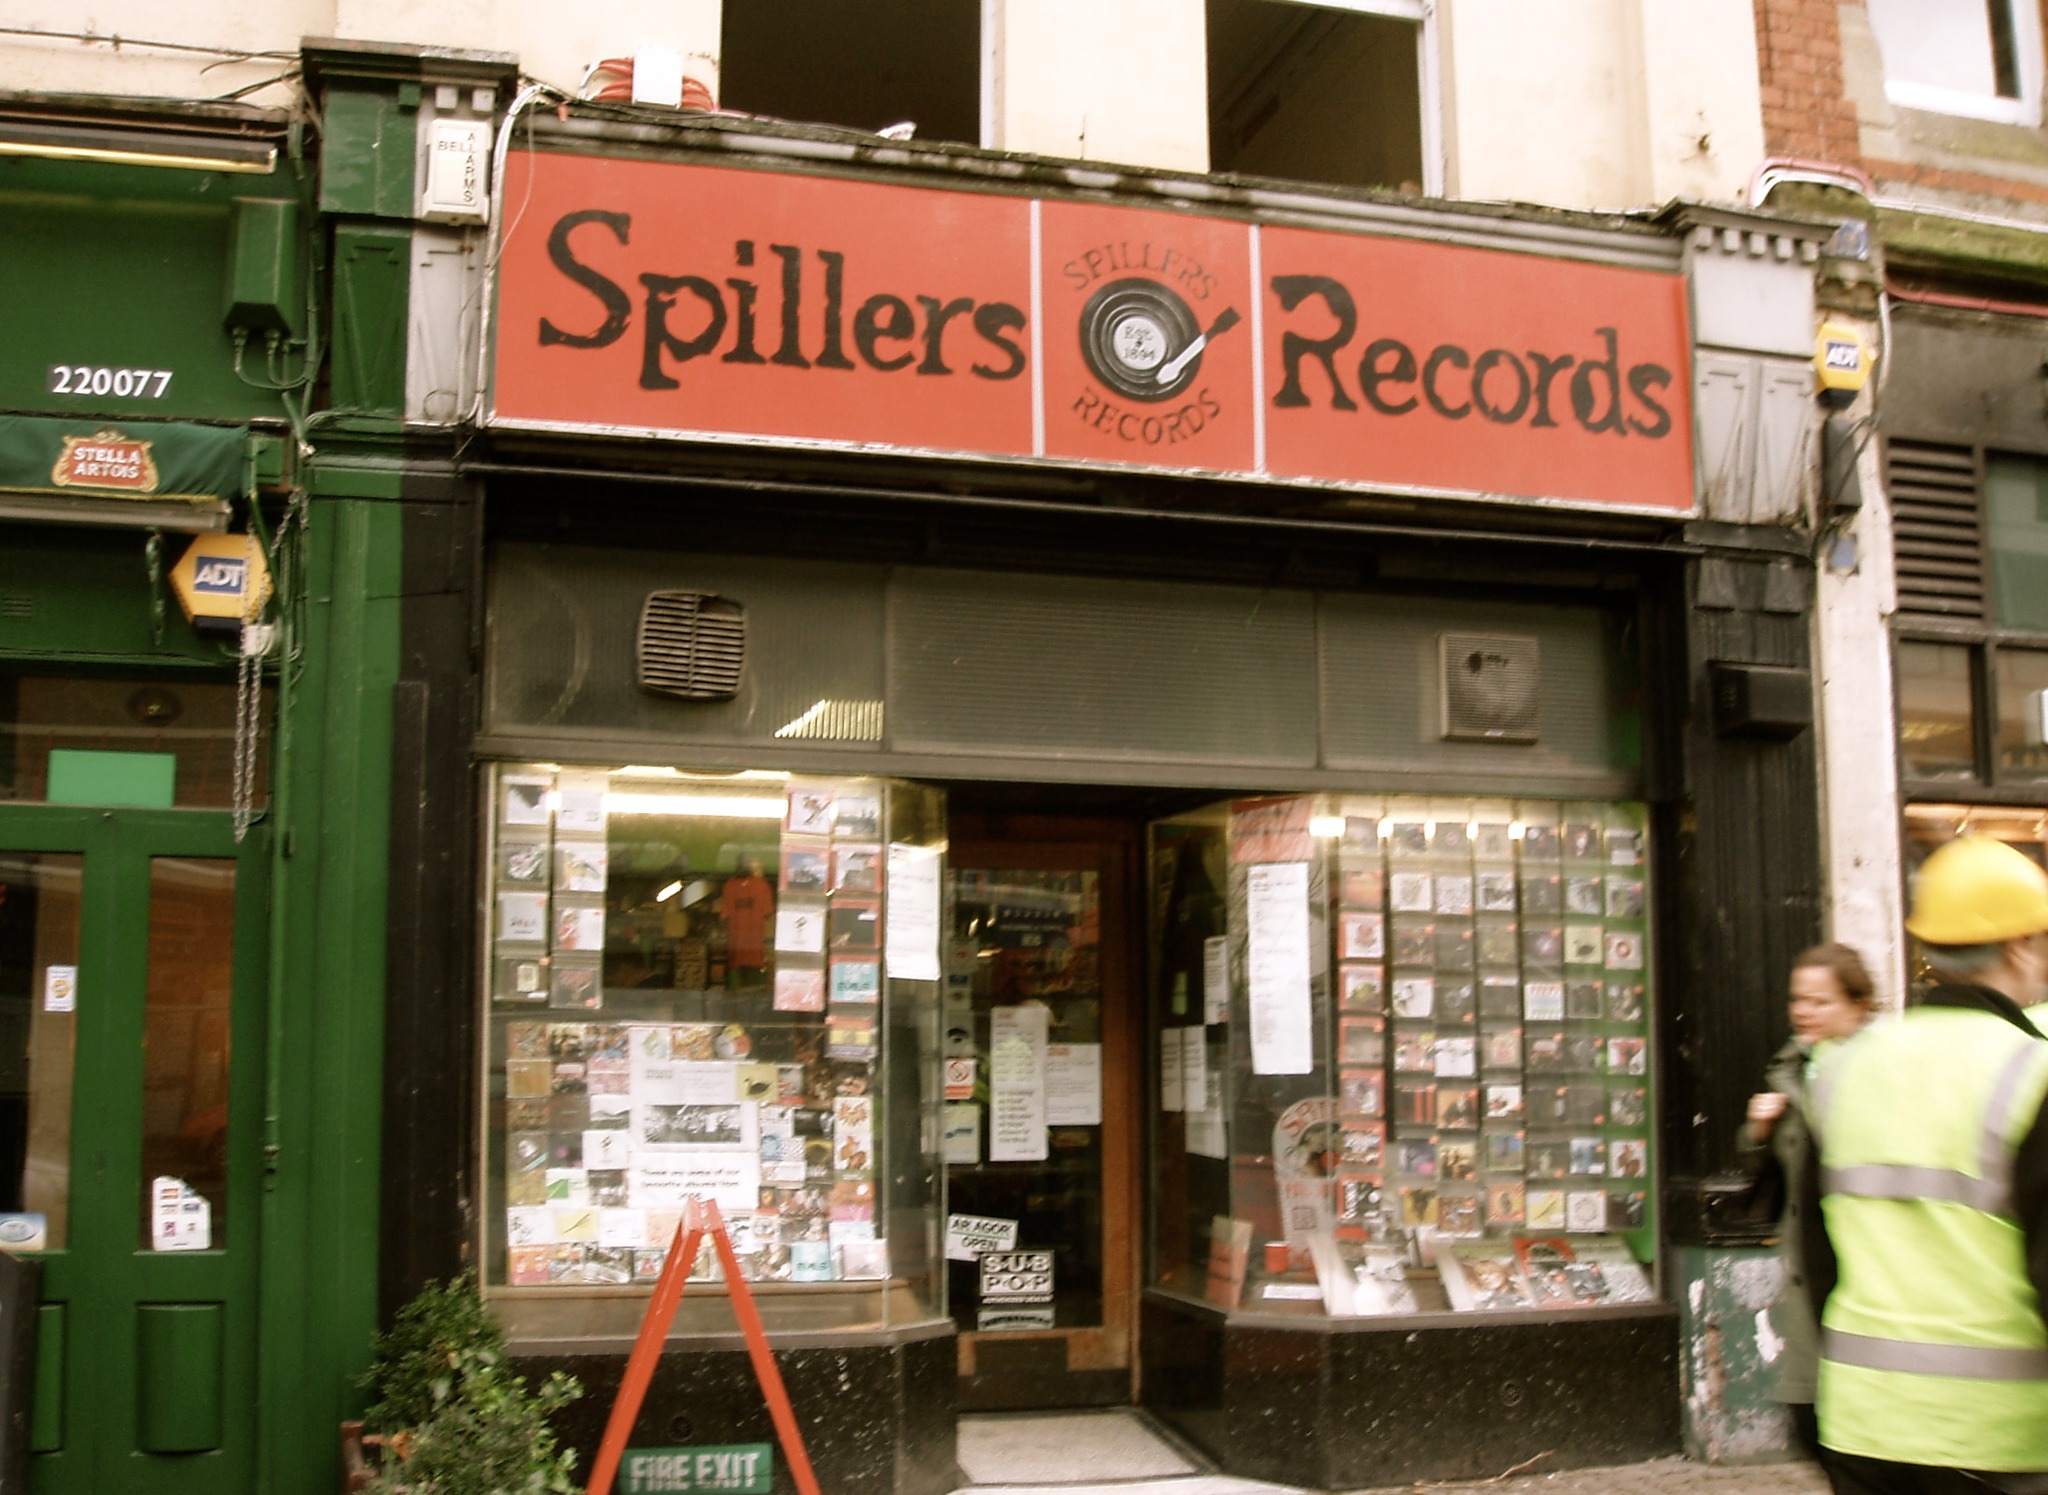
pixel 1144 343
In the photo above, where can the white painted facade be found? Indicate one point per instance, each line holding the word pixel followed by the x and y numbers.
pixel 1858 741
pixel 1593 104
pixel 1604 104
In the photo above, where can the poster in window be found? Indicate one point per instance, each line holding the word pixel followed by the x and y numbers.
pixel 1277 967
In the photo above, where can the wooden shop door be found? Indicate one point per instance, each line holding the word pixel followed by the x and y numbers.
pixel 130 1126
pixel 1042 977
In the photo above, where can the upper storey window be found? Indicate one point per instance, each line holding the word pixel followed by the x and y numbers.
pixel 1978 58
pixel 872 66
pixel 1331 92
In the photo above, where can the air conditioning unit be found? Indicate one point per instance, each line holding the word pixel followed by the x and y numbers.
pixel 692 645
pixel 1490 687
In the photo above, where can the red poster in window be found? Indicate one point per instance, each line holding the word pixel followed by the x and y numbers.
pixel 1148 350
pixel 1395 362
pixel 700 300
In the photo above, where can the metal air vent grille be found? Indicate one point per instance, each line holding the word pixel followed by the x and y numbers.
pixel 1937 528
pixel 1491 687
pixel 692 645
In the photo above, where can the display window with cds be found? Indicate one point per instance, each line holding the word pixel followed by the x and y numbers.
pixel 1431 1060
pixel 713 986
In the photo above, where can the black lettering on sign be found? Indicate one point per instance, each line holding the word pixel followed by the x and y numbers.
pixel 618 306
pixel 661 299
pixel 1372 374
pixel 870 330
pixel 992 321
pixel 1586 399
pixel 1292 290
pixel 937 314
pixel 1547 369
pixel 1457 358
pixel 1641 380
pixel 1500 358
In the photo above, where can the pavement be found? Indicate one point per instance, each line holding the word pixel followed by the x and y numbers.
pixel 1122 1452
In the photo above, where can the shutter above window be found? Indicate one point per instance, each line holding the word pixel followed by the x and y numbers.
pixel 1937 528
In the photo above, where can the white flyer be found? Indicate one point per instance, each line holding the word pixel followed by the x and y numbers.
pixel 1216 979
pixel 621 1227
pixel 1206 1133
pixel 180 1217
pixel 962 1136
pixel 60 988
pixel 1277 967
pixel 1073 1084
pixel 1172 1090
pixel 732 1179
pixel 1194 1065
pixel 911 936
pixel 800 929
pixel 1016 1073
pixel 580 805
pixel 611 1147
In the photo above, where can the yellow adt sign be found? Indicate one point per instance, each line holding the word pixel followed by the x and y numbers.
pixel 222 581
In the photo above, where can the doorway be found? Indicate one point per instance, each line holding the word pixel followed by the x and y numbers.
pixel 130 1128
pixel 1043 1121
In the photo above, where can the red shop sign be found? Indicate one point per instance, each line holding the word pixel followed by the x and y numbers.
pixel 715 303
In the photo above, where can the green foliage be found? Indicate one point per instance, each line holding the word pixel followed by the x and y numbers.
pixel 455 1419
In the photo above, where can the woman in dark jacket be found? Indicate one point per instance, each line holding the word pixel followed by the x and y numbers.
pixel 1830 999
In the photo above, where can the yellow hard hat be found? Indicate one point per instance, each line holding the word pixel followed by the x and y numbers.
pixel 1977 891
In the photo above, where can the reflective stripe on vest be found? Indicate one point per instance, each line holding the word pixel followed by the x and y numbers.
pixel 1975 1362
pixel 1889 1181
pixel 1933 1349
pixel 1990 1191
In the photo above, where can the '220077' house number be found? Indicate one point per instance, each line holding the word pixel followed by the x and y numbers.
pixel 97 379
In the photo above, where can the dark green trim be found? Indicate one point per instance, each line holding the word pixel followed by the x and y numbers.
pixel 326 1050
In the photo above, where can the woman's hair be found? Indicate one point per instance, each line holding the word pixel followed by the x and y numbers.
pixel 1845 963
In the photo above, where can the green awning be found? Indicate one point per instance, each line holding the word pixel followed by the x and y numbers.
pixel 168 473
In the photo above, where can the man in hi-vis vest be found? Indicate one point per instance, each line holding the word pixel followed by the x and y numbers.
pixel 1934 1183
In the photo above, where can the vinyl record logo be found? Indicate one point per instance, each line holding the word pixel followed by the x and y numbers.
pixel 1141 340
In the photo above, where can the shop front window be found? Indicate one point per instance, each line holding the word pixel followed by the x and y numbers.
pixel 2022 713
pixel 721 987
pixel 1406 1062
pixel 1937 710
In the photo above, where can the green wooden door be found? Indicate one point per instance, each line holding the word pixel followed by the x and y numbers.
pixel 131 1045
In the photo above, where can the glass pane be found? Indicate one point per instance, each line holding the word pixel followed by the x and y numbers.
pixel 39 901
pixel 1937 711
pixel 688 997
pixel 1414 1068
pixel 172 736
pixel 188 999
pixel 2023 713
pixel 1026 1148
pixel 2016 517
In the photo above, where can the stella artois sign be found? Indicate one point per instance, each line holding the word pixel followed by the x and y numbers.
pixel 106 460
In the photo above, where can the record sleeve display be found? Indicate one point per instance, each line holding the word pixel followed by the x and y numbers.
pixel 1480 1009
pixel 686 981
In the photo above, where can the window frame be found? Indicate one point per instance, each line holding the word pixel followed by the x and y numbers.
pixel 1988 786
pixel 1983 637
pixel 1428 74
pixel 2024 109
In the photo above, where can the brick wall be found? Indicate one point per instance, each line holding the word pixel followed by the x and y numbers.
pixel 1799 59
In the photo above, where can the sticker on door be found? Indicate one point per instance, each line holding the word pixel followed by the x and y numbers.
pixel 180 1219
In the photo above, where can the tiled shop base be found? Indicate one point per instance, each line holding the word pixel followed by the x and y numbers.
pixel 1065 1448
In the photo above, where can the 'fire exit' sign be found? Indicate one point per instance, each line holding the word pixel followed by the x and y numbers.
pixel 744 1468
